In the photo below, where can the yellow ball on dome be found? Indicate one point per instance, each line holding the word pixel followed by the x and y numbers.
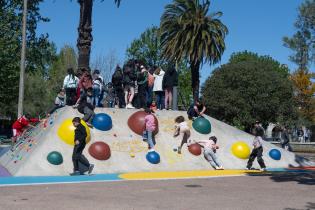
pixel 66 131
pixel 241 150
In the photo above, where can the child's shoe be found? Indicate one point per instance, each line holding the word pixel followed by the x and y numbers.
pixel 75 173
pixel 91 168
pixel 262 169
pixel 220 168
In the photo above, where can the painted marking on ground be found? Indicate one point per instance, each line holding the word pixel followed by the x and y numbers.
pixel 184 174
pixel 33 180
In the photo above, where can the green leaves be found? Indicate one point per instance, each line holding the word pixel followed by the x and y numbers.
pixel 189 33
pixel 249 88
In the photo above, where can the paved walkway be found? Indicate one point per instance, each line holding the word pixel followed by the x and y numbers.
pixel 278 190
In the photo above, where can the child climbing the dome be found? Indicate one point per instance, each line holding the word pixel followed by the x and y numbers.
pixel 182 127
pixel 209 149
pixel 85 106
pixel 257 152
pixel 20 126
pixel 80 135
pixel 150 127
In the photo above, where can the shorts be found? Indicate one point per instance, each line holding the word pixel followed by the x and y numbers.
pixel 17 133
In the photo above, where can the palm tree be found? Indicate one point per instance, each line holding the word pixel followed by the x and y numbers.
pixel 189 32
pixel 85 37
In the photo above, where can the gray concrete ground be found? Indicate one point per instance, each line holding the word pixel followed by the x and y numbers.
pixel 276 191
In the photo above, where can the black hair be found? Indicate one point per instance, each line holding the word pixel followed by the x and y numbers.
pixel 179 119
pixel 89 90
pixel 76 119
pixel 96 71
pixel 28 116
pixel 148 110
pixel 214 139
pixel 71 72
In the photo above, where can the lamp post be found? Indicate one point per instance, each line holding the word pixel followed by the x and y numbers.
pixel 22 64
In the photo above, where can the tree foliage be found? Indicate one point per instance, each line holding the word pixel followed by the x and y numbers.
pixel 188 32
pixel 304 91
pixel 302 43
pixel 147 48
pixel 39 51
pixel 249 88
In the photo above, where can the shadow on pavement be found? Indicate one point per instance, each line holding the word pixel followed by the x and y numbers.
pixel 300 176
pixel 308 206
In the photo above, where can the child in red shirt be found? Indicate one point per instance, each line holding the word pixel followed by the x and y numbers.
pixel 20 125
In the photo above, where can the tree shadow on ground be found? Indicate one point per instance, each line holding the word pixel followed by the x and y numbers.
pixel 308 206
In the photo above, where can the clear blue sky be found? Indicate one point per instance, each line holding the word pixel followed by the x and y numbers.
pixel 254 25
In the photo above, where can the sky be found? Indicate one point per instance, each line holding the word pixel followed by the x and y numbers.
pixel 254 25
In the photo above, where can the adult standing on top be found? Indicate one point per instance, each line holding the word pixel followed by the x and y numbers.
pixel 117 81
pixel 97 87
pixel 70 84
pixel 158 87
pixel 150 86
pixel 169 81
pixel 129 83
pixel 142 80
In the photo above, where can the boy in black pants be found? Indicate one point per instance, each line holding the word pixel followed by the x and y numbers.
pixel 85 106
pixel 79 145
pixel 257 152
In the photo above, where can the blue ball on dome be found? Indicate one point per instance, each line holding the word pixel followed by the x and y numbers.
pixel 102 122
pixel 275 154
pixel 153 157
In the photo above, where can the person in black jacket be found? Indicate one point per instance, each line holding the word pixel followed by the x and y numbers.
pixel 117 81
pixel 169 81
pixel 85 106
pixel 285 139
pixel 80 135
pixel 130 78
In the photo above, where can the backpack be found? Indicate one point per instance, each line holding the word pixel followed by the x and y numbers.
pixel 117 78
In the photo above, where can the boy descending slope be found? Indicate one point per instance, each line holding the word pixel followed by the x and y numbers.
pixel 79 145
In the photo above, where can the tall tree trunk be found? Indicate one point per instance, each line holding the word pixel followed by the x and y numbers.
pixel 195 79
pixel 85 34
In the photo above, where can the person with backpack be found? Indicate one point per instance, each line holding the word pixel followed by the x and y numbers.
pixel 142 81
pixel 70 84
pixel 169 81
pixel 158 88
pixel 129 83
pixel 98 82
pixel 117 81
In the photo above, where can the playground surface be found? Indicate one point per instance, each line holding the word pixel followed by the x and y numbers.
pixel 270 190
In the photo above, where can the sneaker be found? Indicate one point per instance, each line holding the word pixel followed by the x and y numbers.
pixel 75 173
pixel 262 169
pixel 129 106
pixel 151 150
pixel 91 168
pixel 247 168
pixel 220 168
pixel 216 168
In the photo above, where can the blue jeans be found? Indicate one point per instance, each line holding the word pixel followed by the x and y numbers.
pixel 212 158
pixel 160 99
pixel 149 136
pixel 96 95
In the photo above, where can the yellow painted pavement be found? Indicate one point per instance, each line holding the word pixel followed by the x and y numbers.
pixel 185 174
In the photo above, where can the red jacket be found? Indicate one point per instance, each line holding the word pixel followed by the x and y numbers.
pixel 23 122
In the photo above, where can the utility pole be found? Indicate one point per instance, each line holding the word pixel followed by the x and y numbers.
pixel 22 64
